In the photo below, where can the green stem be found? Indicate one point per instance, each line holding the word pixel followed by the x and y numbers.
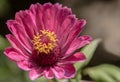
pixel 54 80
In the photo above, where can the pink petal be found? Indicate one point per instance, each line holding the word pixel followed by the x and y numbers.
pixel 70 71
pixel 13 54
pixel 73 34
pixel 78 43
pixel 24 18
pixel 49 15
pixel 49 74
pixel 16 44
pixel 36 12
pixel 19 34
pixel 60 17
pixel 67 25
pixel 48 19
pixel 58 71
pixel 77 57
pixel 25 65
pixel 36 73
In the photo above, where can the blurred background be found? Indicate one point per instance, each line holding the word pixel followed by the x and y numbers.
pixel 103 21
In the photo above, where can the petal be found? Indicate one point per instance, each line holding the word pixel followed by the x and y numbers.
pixel 58 71
pixel 36 73
pixel 49 15
pixel 20 34
pixel 70 71
pixel 60 17
pixel 36 12
pixel 24 18
pixel 49 74
pixel 13 54
pixel 73 34
pixel 78 43
pixel 25 65
pixel 48 19
pixel 77 57
pixel 14 42
pixel 67 25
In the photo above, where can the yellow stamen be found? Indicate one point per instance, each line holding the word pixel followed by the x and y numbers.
pixel 40 45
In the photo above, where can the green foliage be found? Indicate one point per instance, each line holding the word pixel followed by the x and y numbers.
pixel 104 73
pixel 88 51
pixel 3 43
pixel 4 7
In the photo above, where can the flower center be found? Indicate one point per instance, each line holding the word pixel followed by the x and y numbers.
pixel 45 41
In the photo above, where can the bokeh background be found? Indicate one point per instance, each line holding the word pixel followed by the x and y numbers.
pixel 103 21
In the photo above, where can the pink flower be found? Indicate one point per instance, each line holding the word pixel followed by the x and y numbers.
pixel 45 39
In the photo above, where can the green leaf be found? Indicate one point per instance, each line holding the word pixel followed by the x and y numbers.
pixel 62 80
pixel 104 73
pixel 88 51
pixel 77 78
pixel 3 43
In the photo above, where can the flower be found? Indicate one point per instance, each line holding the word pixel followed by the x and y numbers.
pixel 45 39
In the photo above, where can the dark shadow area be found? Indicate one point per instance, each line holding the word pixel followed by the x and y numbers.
pixel 15 6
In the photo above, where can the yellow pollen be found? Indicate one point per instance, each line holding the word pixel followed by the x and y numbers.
pixel 45 41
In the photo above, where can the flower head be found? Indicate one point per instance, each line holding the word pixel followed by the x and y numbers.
pixel 45 39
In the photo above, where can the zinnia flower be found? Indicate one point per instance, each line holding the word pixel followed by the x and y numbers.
pixel 45 40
